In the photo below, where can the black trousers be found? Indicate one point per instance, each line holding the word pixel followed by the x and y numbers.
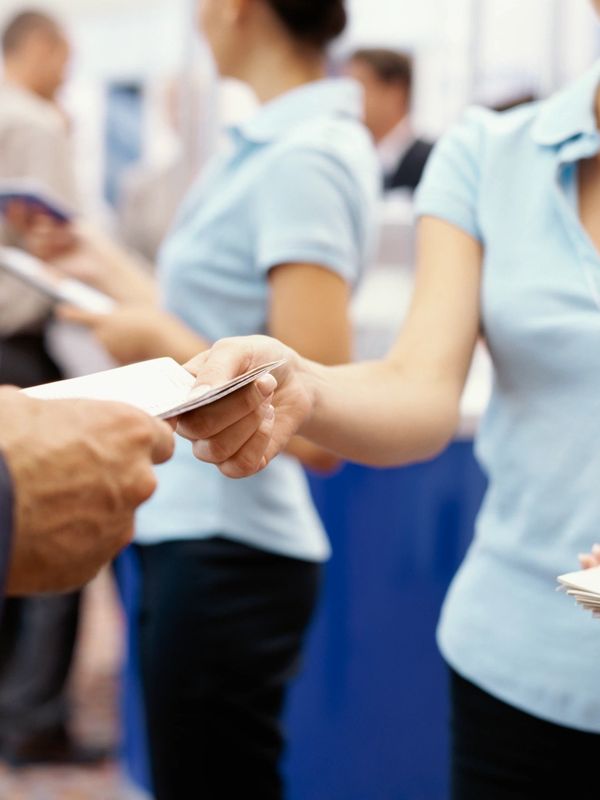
pixel 37 642
pixel 501 753
pixel 221 632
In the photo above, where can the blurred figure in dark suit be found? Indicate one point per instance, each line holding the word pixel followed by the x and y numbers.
pixel 387 77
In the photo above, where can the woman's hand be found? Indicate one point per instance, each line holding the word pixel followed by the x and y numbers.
pixel 589 560
pixel 242 433
pixel 134 333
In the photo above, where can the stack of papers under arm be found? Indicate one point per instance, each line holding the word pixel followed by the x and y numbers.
pixel 36 273
pixel 161 387
pixel 584 586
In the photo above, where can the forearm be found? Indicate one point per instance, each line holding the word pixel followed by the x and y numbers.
pixel 379 413
pixel 173 338
pixel 181 343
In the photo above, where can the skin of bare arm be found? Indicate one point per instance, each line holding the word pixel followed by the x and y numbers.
pixel 309 312
pixel 402 409
pixel 406 407
pixel 134 333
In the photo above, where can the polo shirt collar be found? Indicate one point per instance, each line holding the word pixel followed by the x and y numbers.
pixel 570 113
pixel 328 97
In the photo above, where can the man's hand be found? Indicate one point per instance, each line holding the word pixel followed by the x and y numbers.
pixel 80 469
pixel 243 432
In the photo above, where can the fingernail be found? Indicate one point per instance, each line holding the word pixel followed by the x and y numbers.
pixel 270 413
pixel 202 388
pixel 266 385
pixel 596 549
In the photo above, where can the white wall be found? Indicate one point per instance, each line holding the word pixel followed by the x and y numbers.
pixel 466 50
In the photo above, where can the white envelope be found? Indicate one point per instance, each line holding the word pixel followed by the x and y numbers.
pixel 161 387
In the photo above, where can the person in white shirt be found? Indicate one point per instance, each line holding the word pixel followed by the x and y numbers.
pixel 387 78
pixel 34 140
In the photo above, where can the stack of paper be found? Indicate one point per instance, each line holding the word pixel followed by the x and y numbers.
pixel 584 586
pixel 161 387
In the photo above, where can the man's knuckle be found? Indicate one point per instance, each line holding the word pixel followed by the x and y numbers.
pixel 147 485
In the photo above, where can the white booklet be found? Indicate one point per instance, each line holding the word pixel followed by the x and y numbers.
pixel 61 289
pixel 161 387
pixel 36 195
pixel 584 586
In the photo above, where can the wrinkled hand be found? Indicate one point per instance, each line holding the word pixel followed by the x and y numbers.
pixel 80 469
pixel 242 433
pixel 592 559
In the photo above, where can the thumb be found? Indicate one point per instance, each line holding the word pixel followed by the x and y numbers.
pixel 226 360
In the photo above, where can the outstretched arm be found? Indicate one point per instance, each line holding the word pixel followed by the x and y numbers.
pixel 404 408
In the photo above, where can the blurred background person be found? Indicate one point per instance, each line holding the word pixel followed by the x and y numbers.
pixel 152 190
pixel 387 78
pixel 34 143
pixel 38 634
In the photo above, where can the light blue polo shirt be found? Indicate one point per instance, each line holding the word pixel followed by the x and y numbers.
pixel 298 185
pixel 509 180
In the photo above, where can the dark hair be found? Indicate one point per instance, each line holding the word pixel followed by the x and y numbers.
pixel 316 22
pixel 390 66
pixel 19 28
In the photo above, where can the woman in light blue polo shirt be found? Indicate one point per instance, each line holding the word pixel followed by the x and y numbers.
pixel 272 238
pixel 509 241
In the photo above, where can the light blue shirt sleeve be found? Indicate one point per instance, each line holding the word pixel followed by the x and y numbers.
pixel 308 213
pixel 450 186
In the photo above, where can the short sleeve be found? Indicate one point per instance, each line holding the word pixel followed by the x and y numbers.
pixel 450 186
pixel 309 211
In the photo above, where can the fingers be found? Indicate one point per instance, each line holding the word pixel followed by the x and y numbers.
pixel 589 560
pixel 226 445
pixel 20 216
pixel 223 362
pixel 251 458
pixel 163 446
pixel 212 420
pixel 48 238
